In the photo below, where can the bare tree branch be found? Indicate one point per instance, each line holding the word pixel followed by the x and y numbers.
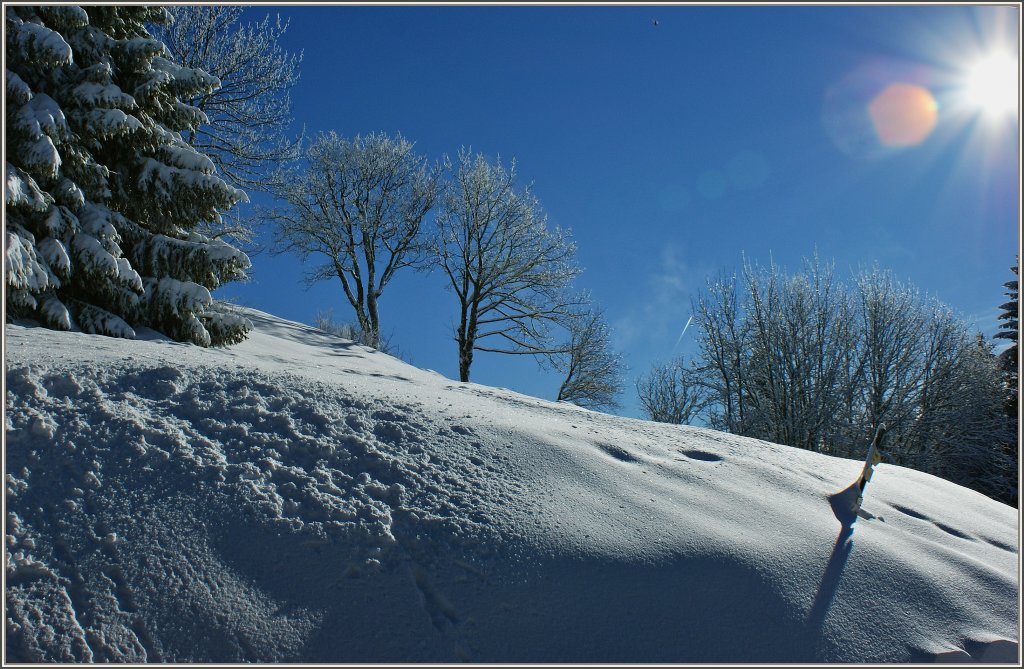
pixel 248 116
pixel 360 203
pixel 672 393
pixel 503 263
pixel 591 370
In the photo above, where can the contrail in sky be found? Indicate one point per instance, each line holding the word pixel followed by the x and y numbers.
pixel 688 321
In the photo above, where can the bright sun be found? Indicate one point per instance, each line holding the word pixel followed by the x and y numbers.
pixel 991 85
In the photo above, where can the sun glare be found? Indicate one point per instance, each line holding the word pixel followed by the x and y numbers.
pixel 992 85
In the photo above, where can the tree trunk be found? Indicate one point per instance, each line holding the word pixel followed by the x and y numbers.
pixel 465 360
pixel 467 340
pixel 373 320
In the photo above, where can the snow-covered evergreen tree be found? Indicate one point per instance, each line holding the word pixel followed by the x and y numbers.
pixel 102 194
pixel 1010 329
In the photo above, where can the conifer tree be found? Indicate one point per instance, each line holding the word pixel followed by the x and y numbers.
pixel 1009 329
pixel 103 196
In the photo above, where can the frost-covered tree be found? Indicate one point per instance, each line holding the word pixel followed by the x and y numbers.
pixel 591 371
pixel 360 204
pixel 673 392
pixel 924 375
pixel 775 360
pixel 103 195
pixel 723 351
pixel 508 270
pixel 800 337
pixel 901 345
pixel 808 361
pixel 960 428
pixel 249 113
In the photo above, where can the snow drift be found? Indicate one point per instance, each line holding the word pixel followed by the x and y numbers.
pixel 300 498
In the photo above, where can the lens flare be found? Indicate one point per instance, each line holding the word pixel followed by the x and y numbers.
pixel 903 114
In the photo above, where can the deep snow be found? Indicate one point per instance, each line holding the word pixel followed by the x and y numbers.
pixel 297 497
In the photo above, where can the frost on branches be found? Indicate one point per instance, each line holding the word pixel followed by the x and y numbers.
pixel 103 196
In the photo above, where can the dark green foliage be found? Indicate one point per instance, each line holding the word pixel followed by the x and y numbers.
pixel 1009 329
pixel 102 194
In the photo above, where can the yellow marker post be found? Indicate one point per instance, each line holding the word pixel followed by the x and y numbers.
pixel 873 458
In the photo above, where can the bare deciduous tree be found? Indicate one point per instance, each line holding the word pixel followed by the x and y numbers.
pixel 806 361
pixel 891 323
pixel 723 351
pixel 360 203
pixel 508 270
pixel 591 370
pixel 247 117
pixel 800 335
pixel 673 392
pixel 931 381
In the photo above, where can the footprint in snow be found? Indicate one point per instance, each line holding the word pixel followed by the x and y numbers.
pixel 702 455
pixel 618 453
pixel 945 528
pixel 910 512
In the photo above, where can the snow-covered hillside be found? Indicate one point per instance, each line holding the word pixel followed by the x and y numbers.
pixel 298 497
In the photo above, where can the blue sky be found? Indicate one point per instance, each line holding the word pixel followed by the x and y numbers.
pixel 672 150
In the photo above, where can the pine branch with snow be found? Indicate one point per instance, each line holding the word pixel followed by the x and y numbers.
pixel 103 195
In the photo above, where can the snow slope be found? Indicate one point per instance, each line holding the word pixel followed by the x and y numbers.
pixel 301 498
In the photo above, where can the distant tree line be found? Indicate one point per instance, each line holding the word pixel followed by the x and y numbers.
pixel 808 361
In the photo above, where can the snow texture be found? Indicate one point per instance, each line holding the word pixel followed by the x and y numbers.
pixel 298 497
pixel 21 189
pixel 23 270
pixel 38 42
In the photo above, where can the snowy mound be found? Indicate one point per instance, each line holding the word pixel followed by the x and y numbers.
pixel 300 498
